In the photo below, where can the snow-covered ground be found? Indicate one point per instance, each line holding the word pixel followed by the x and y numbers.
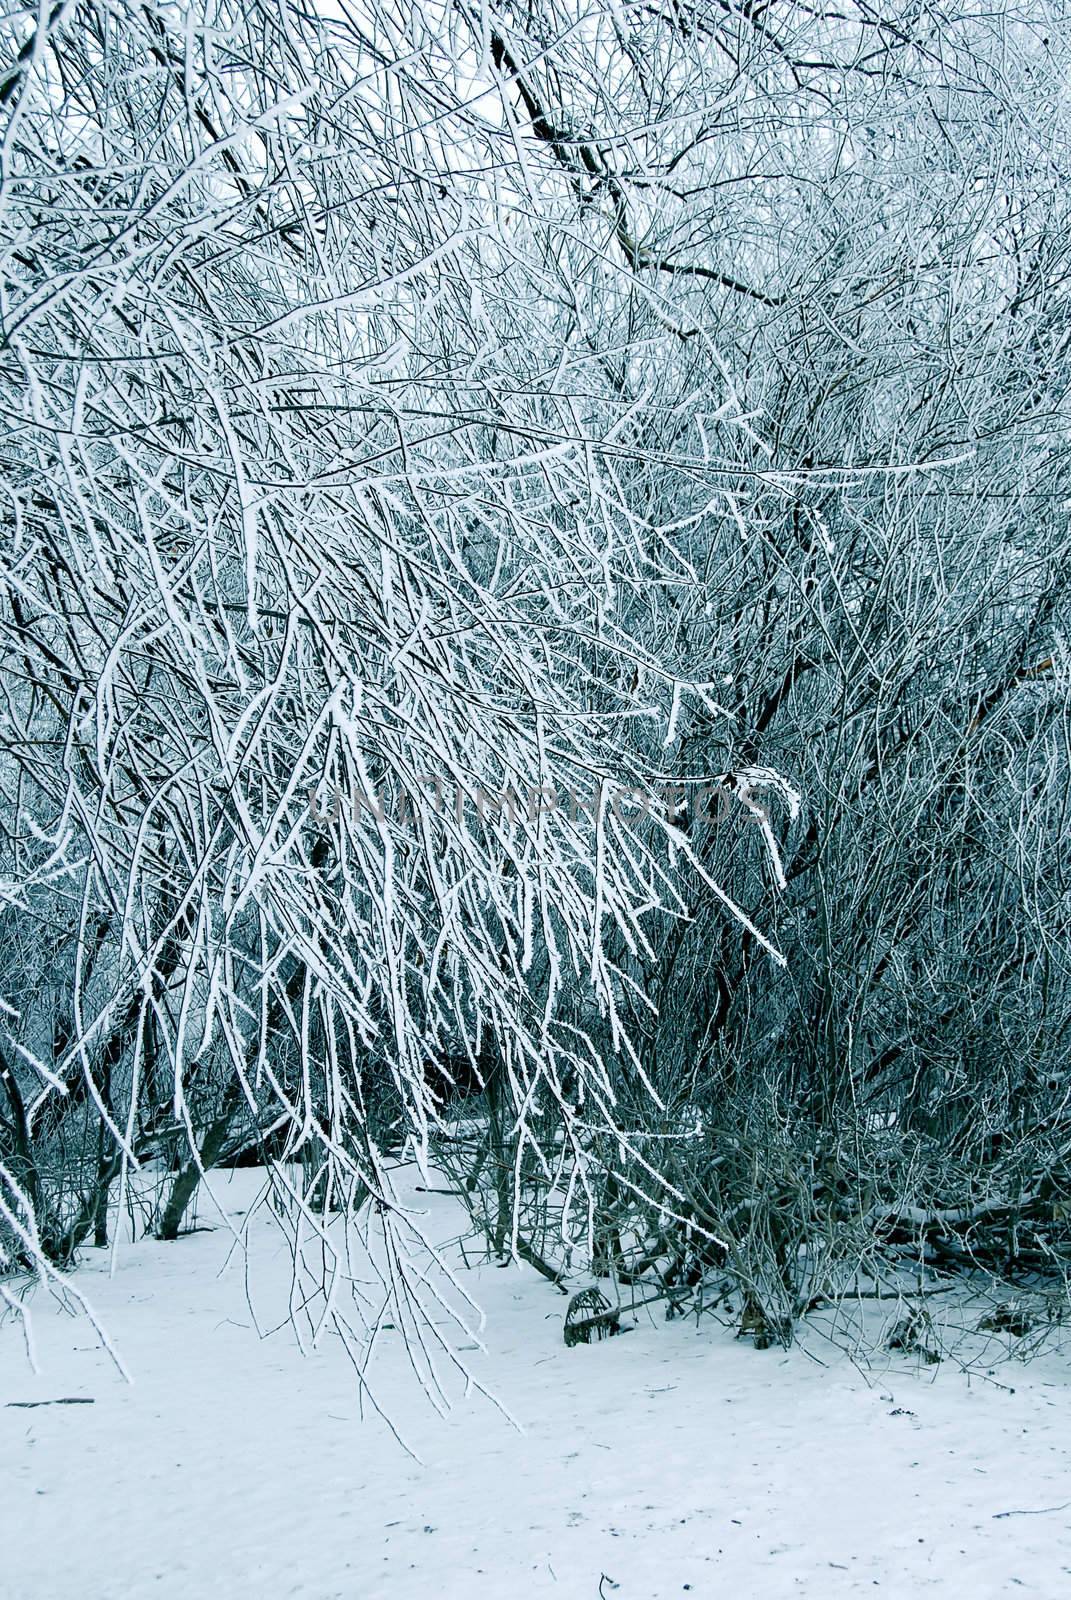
pixel 672 1461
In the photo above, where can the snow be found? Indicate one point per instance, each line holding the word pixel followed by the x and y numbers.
pixel 673 1460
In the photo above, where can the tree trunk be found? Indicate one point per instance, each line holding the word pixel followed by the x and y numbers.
pixel 185 1184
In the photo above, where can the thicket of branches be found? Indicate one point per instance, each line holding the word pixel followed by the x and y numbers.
pixel 446 447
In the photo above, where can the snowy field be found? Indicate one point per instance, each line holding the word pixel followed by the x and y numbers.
pixel 672 1461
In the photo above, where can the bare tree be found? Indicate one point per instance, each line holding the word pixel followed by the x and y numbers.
pixel 315 651
pixel 441 443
